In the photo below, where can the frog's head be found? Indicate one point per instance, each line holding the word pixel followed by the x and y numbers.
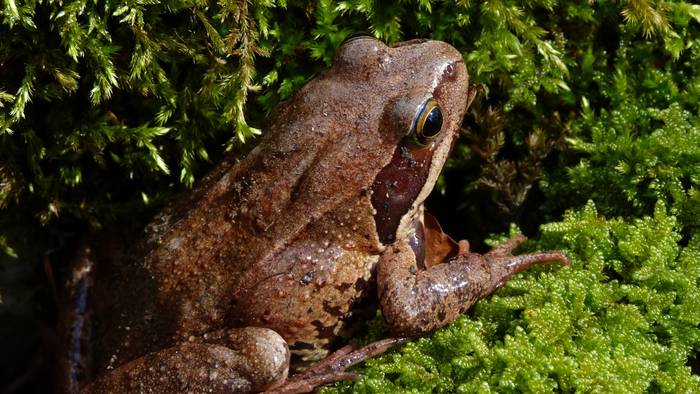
pixel 375 128
pixel 423 87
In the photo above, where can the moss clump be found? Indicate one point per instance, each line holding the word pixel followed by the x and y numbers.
pixel 623 318
pixel 639 142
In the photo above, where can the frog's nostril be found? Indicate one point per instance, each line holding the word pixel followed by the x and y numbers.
pixel 415 41
pixel 450 72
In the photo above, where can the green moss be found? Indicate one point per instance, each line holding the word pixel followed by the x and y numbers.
pixel 623 318
pixel 139 99
pixel 640 142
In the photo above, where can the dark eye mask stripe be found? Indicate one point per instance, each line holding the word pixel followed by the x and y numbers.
pixel 397 186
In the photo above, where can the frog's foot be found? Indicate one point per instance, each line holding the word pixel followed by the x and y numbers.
pixel 332 369
pixel 503 264
pixel 419 298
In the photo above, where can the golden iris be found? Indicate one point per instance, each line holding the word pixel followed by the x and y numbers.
pixel 428 123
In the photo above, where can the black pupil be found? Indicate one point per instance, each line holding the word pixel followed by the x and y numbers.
pixel 433 123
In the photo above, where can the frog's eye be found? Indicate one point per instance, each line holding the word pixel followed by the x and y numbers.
pixel 428 122
pixel 357 37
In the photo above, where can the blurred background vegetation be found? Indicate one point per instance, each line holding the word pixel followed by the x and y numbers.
pixel 585 135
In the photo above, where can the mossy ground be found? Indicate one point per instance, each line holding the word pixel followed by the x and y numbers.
pixel 585 134
pixel 623 318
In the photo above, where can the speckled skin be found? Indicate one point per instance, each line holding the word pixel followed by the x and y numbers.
pixel 287 239
pixel 230 361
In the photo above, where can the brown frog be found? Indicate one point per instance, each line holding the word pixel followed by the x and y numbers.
pixel 277 253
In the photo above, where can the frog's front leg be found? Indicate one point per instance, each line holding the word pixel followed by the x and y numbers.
pixel 415 301
pixel 239 360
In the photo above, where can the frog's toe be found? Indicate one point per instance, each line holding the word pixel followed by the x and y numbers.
pixel 507 247
pixel 333 368
pixel 504 266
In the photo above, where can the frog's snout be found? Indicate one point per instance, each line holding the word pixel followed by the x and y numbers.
pixel 449 60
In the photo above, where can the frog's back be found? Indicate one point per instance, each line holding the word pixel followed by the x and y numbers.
pixel 204 250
